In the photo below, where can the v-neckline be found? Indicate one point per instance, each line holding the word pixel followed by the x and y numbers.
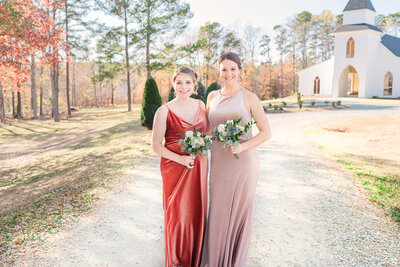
pixel 195 118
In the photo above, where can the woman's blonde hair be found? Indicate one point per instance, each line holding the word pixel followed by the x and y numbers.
pixel 187 71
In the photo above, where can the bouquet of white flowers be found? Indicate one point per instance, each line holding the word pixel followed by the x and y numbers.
pixel 195 143
pixel 231 131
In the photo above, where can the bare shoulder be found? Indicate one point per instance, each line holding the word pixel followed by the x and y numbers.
pixel 211 96
pixel 250 97
pixel 202 104
pixel 162 111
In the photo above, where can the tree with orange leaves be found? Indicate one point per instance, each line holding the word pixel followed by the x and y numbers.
pixel 25 27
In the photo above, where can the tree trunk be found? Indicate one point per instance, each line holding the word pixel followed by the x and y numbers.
pixel 281 81
pixel 206 76
pixel 33 87
pixel 2 108
pixel 67 64
pixel 13 105
pixel 270 75
pixel 94 85
pixel 19 105
pixel 112 93
pixel 100 93
pixel 127 61
pixel 54 93
pixel 294 70
pixel 148 42
pixel 54 83
pixel 41 93
pixel 74 84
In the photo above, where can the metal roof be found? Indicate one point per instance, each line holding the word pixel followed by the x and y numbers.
pixel 392 43
pixel 358 27
pixel 359 4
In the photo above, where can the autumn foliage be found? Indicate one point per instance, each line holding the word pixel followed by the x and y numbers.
pixel 26 27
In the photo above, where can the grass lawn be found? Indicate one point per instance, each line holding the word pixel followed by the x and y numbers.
pixel 51 172
pixel 370 149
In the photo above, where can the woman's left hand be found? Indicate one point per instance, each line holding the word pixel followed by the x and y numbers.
pixel 237 149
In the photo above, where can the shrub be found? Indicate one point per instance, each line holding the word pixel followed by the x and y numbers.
pixel 201 93
pixel 270 105
pixel 333 104
pixel 284 103
pixel 276 107
pixel 151 102
pixel 339 103
pixel 299 101
pixel 171 94
pixel 313 103
pixel 213 87
pixel 326 102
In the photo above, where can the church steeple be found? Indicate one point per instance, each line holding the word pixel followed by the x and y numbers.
pixel 359 4
pixel 359 12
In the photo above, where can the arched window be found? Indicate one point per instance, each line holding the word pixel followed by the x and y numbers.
pixel 388 84
pixel 317 85
pixel 350 48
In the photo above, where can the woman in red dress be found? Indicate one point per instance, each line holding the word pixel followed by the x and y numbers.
pixel 184 176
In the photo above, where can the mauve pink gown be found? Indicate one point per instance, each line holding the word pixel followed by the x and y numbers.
pixel 232 189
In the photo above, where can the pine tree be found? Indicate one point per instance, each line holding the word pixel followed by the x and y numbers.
pixel 200 93
pixel 171 94
pixel 156 20
pixel 211 34
pixel 213 87
pixel 151 102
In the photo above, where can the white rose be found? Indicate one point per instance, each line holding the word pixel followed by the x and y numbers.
pixel 189 134
pixel 221 128
pixel 202 142
pixel 229 122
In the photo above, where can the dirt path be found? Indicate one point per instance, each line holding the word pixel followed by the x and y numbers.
pixel 307 213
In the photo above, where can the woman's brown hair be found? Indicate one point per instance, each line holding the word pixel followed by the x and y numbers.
pixel 187 71
pixel 231 56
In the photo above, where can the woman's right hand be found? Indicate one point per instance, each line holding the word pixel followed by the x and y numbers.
pixel 187 161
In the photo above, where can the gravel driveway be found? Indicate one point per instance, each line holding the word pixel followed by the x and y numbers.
pixel 307 212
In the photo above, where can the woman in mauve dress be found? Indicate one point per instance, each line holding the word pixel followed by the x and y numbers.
pixel 184 177
pixel 232 181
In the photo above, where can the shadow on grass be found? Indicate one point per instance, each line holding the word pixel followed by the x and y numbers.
pixel 12 133
pixel 40 203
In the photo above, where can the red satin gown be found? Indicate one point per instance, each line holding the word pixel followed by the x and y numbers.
pixel 184 196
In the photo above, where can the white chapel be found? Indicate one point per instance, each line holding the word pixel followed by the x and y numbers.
pixel 366 62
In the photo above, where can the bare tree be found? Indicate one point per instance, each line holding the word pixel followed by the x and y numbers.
pixel 250 40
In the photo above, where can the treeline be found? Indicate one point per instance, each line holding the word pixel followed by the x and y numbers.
pixel 56 58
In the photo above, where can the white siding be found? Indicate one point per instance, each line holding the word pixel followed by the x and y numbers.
pixel 359 16
pixel 386 62
pixel 372 61
pixel 307 76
